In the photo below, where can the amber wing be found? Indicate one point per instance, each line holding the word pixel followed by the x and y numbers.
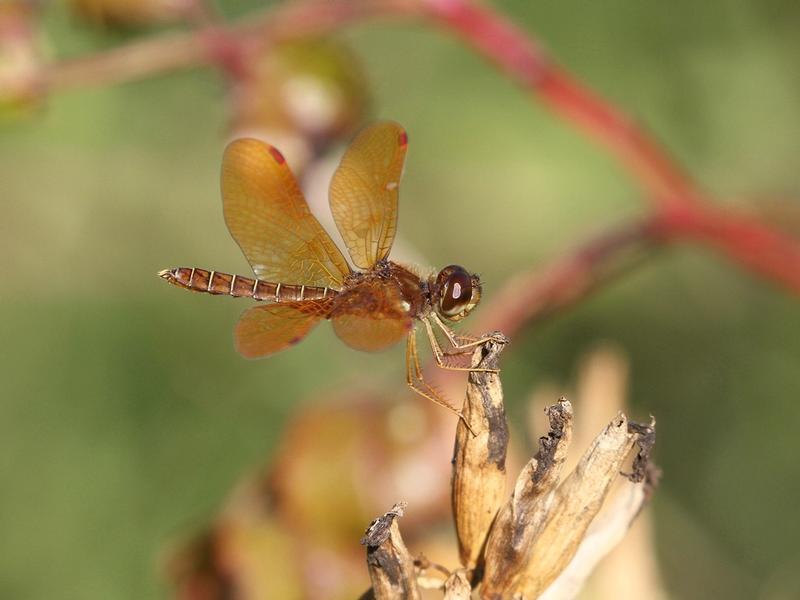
pixel 269 218
pixel 370 317
pixel 364 192
pixel 270 328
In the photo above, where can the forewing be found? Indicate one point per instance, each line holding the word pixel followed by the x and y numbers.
pixel 268 217
pixel 364 192
pixel 268 328
pixel 370 317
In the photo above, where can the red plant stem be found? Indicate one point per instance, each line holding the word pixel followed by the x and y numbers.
pixel 174 51
pixel 519 56
pixel 685 211
pixel 534 295
pixel 748 241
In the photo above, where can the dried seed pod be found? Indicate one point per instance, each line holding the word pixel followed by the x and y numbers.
pixel 602 536
pixel 572 507
pixel 391 567
pixel 611 525
pixel 301 95
pixel 525 514
pixel 479 457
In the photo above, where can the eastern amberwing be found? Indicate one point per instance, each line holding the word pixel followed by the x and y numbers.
pixel 301 275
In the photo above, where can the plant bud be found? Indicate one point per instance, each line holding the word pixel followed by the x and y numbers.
pixel 307 93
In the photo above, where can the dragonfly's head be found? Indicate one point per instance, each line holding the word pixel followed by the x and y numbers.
pixel 455 292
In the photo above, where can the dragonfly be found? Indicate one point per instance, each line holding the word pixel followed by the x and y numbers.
pixel 301 276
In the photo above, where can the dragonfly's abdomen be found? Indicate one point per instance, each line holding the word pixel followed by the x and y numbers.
pixel 216 282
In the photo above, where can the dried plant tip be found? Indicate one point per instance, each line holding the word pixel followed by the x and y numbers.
pixel 613 522
pixel 390 565
pixel 378 530
pixel 479 456
pixel 526 512
pixel 553 447
pixel 643 469
pixel 571 508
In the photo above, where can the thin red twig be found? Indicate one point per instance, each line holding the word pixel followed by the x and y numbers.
pixel 684 211
pixel 687 212
pixel 517 54
pixel 531 296
pixel 185 50
pixel 747 240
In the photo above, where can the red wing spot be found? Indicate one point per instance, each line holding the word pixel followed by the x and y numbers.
pixel 403 139
pixel 294 340
pixel 277 155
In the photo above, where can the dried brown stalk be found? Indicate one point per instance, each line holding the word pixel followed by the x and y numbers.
pixel 682 210
pixel 544 541
pixel 602 536
pixel 522 517
pixel 601 390
pixel 547 538
pixel 479 456
pixel 575 504
pixel 533 296
pixel 391 568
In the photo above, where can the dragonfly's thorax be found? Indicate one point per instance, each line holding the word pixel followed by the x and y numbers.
pixel 404 290
pixel 413 289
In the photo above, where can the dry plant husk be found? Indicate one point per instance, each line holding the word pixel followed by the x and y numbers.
pixel 290 531
pixel 479 458
pixel 391 568
pixel 545 539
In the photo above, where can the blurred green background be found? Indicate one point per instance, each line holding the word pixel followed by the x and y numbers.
pixel 126 415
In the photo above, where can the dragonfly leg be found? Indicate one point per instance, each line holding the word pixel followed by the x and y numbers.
pixel 416 381
pixel 439 354
pixel 454 339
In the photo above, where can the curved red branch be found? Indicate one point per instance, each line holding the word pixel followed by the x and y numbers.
pixel 685 212
pixel 518 55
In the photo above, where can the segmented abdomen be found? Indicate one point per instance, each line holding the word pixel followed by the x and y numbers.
pixel 215 282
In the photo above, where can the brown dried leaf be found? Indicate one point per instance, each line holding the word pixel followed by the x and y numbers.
pixel 479 458
pixel 391 567
pixel 524 515
pixel 572 507
pixel 602 536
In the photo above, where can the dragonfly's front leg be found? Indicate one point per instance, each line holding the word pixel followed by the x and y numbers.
pixel 439 354
pixel 417 382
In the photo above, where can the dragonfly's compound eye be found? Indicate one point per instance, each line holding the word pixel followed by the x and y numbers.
pixel 456 291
